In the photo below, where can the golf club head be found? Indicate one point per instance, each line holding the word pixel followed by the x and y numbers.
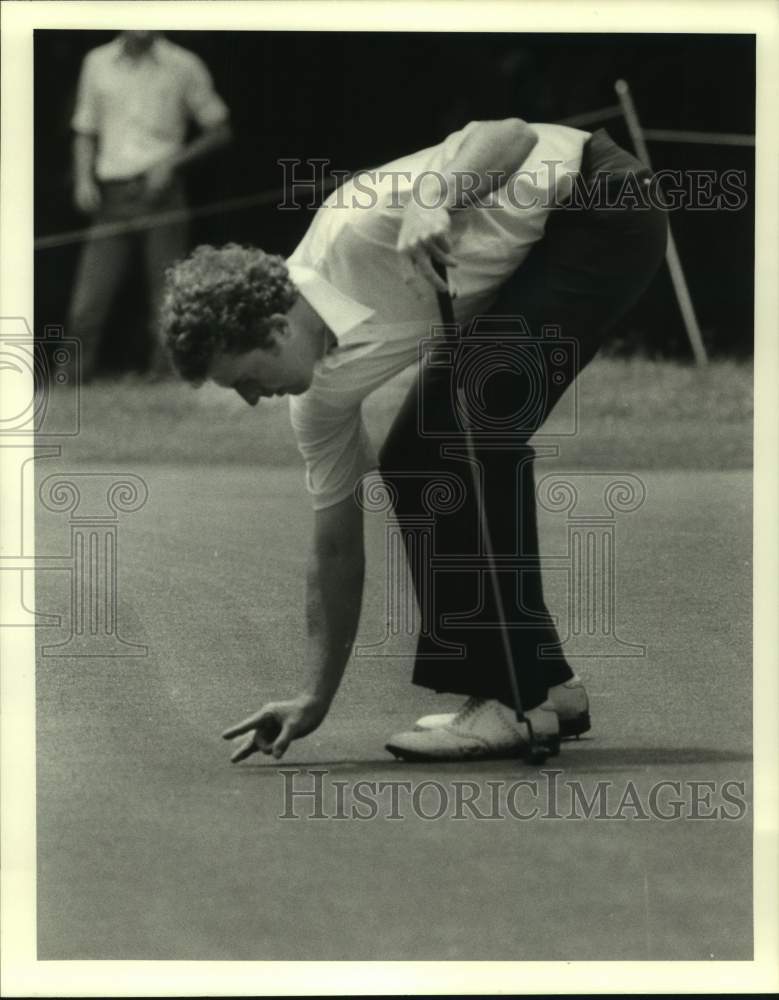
pixel 538 750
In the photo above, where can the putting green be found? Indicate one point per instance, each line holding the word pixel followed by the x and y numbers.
pixel 151 846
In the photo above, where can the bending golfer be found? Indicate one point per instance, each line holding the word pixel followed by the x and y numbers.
pixel 539 226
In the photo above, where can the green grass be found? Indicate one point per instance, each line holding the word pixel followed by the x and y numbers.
pixel 632 413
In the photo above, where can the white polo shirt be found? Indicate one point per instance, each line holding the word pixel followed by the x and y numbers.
pixel 347 269
pixel 139 107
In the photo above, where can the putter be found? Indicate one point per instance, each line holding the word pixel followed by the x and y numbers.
pixel 537 751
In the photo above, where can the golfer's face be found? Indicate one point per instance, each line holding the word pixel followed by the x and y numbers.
pixel 277 370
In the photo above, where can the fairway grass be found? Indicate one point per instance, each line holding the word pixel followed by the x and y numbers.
pixel 631 413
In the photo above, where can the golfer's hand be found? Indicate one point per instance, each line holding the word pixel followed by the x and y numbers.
pixel 272 729
pixel 158 179
pixel 425 236
pixel 87 196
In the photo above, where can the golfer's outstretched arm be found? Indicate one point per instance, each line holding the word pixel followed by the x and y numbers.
pixel 333 600
pixel 336 574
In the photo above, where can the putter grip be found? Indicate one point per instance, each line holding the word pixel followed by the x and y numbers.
pixel 445 307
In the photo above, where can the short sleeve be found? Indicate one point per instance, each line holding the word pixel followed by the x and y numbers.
pixel 451 146
pixel 86 117
pixel 546 176
pixel 203 102
pixel 335 446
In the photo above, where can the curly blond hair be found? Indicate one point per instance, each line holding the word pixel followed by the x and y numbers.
pixel 219 300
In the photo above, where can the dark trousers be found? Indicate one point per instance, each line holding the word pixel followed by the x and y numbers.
pixel 105 263
pixel 591 266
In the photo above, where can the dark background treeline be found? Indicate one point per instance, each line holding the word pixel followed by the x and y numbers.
pixel 361 99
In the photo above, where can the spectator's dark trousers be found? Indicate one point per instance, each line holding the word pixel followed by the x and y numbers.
pixel 105 262
pixel 592 264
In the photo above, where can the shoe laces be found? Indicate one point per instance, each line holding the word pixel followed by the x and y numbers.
pixel 472 705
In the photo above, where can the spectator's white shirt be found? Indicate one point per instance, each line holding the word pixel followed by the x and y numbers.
pixel 347 269
pixel 139 107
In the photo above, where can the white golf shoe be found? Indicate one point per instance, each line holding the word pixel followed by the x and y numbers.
pixel 569 700
pixel 482 728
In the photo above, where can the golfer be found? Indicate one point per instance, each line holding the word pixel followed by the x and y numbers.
pixel 545 239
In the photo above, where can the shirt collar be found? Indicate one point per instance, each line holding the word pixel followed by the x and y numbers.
pixel 340 312
pixel 153 52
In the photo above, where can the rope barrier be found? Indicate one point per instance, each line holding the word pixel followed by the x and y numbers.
pixel 709 138
pixel 591 117
pixel 158 219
